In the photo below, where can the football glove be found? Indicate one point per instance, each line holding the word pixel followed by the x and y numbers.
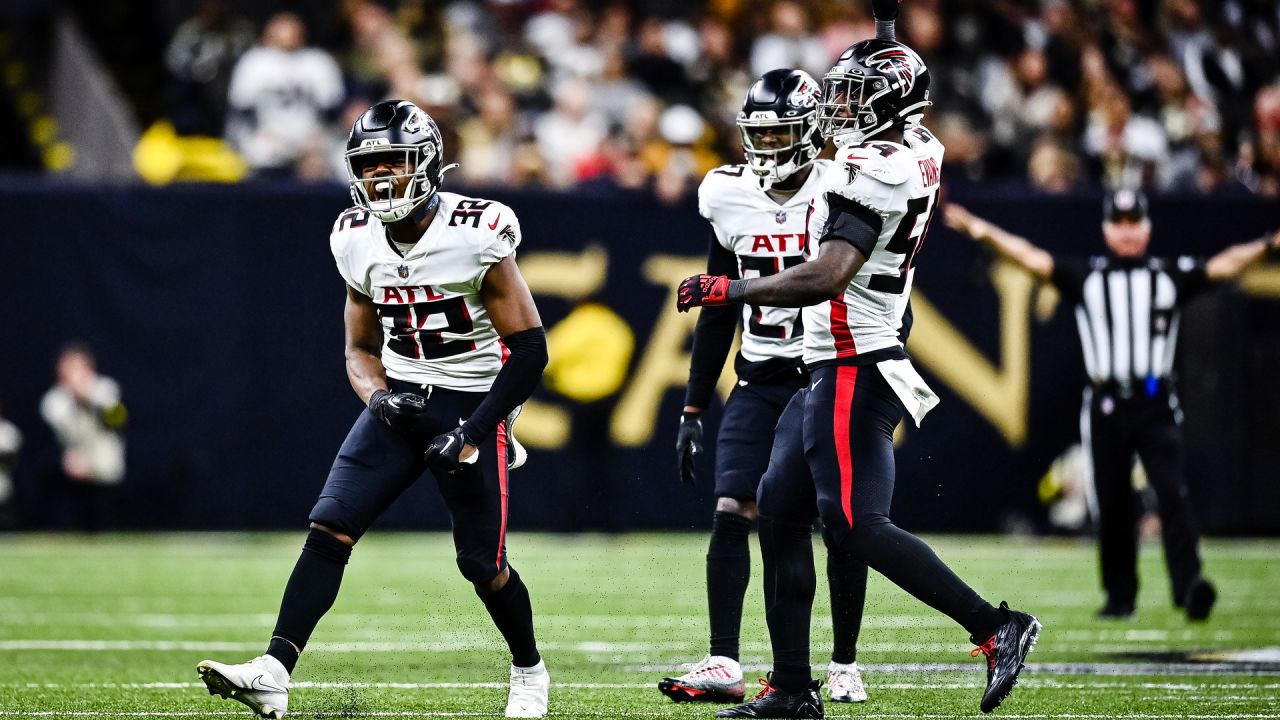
pixel 402 412
pixel 702 290
pixel 689 446
pixel 442 455
pixel 884 9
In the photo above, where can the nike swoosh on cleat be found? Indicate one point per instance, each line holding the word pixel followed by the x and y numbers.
pixel 257 684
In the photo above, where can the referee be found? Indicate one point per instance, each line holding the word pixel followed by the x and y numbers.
pixel 1127 307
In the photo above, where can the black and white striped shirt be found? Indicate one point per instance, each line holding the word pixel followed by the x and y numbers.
pixel 1127 312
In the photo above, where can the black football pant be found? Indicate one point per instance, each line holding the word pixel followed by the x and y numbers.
pixel 743 445
pixel 373 467
pixel 833 459
pixel 1148 426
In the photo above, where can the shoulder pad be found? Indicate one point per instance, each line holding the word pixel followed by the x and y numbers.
pixel 879 160
pixel 715 185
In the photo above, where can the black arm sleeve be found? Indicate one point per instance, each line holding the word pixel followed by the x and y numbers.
pixel 1069 275
pixel 857 225
pixel 1190 276
pixel 713 335
pixel 516 381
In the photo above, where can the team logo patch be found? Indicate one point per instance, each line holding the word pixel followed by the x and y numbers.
pixel 898 62
pixel 780 217
pixel 414 122
pixel 805 95
pixel 508 233
pixel 403 271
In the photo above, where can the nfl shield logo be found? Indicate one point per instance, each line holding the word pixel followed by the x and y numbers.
pixel 780 217
pixel 403 271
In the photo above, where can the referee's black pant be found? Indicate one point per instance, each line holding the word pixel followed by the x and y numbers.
pixel 1118 427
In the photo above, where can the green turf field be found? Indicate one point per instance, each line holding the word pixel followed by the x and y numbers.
pixel 113 627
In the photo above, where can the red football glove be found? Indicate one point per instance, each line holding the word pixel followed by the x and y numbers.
pixel 702 290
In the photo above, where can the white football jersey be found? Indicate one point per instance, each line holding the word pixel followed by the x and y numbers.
pixel 767 237
pixel 435 329
pixel 900 184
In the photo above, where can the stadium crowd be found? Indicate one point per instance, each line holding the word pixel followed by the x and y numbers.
pixel 1174 95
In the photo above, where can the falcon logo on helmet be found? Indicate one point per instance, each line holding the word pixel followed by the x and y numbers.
pixel 894 61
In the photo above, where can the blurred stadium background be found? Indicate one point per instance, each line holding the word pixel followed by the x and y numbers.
pixel 167 211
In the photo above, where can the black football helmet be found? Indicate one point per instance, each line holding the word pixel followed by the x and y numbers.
pixel 401 128
pixel 875 85
pixel 782 103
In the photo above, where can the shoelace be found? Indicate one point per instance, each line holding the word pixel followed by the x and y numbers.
pixel 768 688
pixel 987 648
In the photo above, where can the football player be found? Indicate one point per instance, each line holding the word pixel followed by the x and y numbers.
pixel 757 213
pixel 443 344
pixel 833 450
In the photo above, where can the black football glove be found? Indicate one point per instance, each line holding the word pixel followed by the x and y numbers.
pixel 884 9
pixel 689 446
pixel 402 412
pixel 442 454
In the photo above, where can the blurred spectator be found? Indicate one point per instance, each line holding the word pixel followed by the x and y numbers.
pixel 488 141
pixel 85 412
pixel 10 443
pixel 570 133
pixel 282 93
pixel 1130 149
pixel 789 43
pixel 200 60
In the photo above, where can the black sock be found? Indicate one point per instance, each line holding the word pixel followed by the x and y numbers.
pixel 513 614
pixel 847 578
pixel 728 572
pixel 310 593
pixel 912 565
pixel 789 584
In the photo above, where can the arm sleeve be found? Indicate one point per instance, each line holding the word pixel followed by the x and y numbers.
pixel 1190 276
pixel 713 336
pixel 853 223
pixel 1068 276
pixel 516 381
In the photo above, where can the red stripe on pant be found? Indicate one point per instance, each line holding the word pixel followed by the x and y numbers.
pixel 502 486
pixel 846 379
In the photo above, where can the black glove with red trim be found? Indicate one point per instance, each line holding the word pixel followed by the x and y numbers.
pixel 704 291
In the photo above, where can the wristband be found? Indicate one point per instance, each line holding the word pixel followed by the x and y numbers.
pixel 737 290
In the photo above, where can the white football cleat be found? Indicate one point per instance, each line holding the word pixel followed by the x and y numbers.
pixel 529 690
pixel 712 679
pixel 262 684
pixel 844 683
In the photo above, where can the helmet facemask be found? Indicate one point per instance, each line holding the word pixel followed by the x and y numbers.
pixel 775 160
pixel 845 114
pixel 417 181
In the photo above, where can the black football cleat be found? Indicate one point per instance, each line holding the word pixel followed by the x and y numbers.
pixel 1200 599
pixel 1006 651
pixel 774 703
pixel 1116 610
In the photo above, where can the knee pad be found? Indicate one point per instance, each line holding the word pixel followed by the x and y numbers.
pixel 478 572
pixel 327 546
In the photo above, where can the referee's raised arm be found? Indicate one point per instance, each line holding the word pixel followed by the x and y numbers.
pixel 1013 248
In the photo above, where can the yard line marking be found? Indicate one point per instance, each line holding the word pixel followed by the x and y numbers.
pixel 1028 683
pixel 631 714
pixel 647 649
pixel 1048 668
